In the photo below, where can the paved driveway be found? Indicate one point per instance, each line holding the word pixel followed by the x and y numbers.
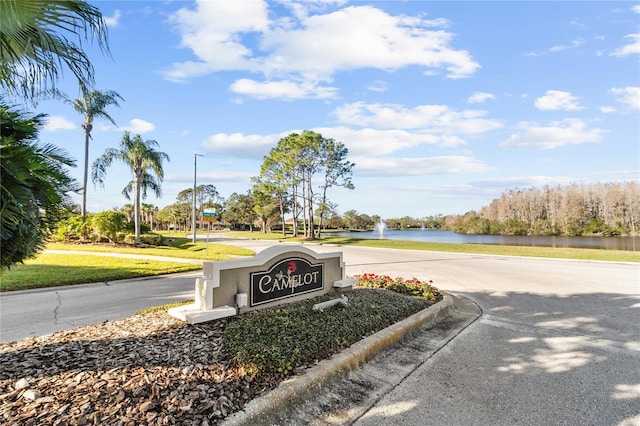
pixel 558 341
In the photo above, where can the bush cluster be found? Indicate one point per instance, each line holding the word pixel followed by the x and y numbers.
pixel 282 339
pixel 107 226
pixel 412 287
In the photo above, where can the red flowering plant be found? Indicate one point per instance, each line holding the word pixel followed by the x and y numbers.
pixel 412 287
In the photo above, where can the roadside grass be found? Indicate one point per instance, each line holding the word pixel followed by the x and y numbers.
pixel 50 270
pixel 177 246
pixel 527 251
pixel 163 308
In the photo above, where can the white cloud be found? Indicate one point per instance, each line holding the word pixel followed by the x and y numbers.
pixel 630 96
pixel 363 37
pixel 556 99
pixel 294 50
pixel 56 122
pixel 372 142
pixel 213 31
pixel 360 142
pixel 378 86
pixel 636 8
pixel 558 47
pixel 522 182
pixel 287 90
pixel 574 44
pixel 453 164
pixel 570 131
pixel 140 126
pixel 427 118
pixel 633 48
pixel 241 145
pixel 480 97
pixel 607 109
pixel 113 21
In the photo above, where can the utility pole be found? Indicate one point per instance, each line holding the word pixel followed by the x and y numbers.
pixel 193 217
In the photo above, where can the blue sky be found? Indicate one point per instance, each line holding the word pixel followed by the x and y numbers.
pixel 442 105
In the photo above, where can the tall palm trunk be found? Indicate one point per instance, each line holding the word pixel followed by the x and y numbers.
pixel 87 133
pixel 136 209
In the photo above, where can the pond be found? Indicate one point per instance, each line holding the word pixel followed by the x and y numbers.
pixel 607 243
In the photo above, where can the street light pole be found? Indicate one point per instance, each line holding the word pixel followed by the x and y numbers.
pixel 193 218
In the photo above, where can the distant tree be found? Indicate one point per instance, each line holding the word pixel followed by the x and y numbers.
pixel 238 210
pixel 337 171
pixel 90 105
pixel 174 215
pixel 143 160
pixel 350 219
pixel 108 224
pixel 34 186
pixel 269 186
pixel 37 42
pixel 294 166
pixel 207 196
pixel 266 206
pixel 127 210
pixel 600 208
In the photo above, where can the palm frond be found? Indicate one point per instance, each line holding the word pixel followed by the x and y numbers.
pixel 38 38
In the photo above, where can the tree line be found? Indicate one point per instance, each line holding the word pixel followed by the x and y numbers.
pixel 608 209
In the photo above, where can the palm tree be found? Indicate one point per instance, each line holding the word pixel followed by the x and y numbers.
pixel 34 184
pixel 90 105
pixel 36 42
pixel 142 157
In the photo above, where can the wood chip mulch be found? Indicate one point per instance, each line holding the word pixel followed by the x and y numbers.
pixel 143 370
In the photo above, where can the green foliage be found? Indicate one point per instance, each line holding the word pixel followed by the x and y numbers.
pixel 72 228
pixel 39 38
pixel 108 224
pixel 148 239
pixel 146 165
pixel 411 287
pixel 281 339
pixel 34 184
pixel 545 227
pixel 515 227
pixel 131 228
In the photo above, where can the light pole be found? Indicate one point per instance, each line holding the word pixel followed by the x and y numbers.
pixel 193 218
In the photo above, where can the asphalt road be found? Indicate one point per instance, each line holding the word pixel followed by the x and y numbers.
pixel 558 341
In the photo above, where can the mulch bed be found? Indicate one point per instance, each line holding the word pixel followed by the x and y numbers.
pixel 147 369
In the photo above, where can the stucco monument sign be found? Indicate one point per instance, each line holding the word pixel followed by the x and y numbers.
pixel 277 275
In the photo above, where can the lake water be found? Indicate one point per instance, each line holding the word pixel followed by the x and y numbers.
pixel 607 243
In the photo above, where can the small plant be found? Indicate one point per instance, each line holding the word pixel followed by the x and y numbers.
pixel 412 287
pixel 280 340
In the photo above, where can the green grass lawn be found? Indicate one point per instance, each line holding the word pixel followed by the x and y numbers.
pixel 177 246
pixel 49 270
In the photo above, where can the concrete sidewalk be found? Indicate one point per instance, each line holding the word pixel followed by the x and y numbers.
pixel 341 389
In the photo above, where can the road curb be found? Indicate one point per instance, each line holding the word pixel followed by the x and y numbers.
pixel 298 387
